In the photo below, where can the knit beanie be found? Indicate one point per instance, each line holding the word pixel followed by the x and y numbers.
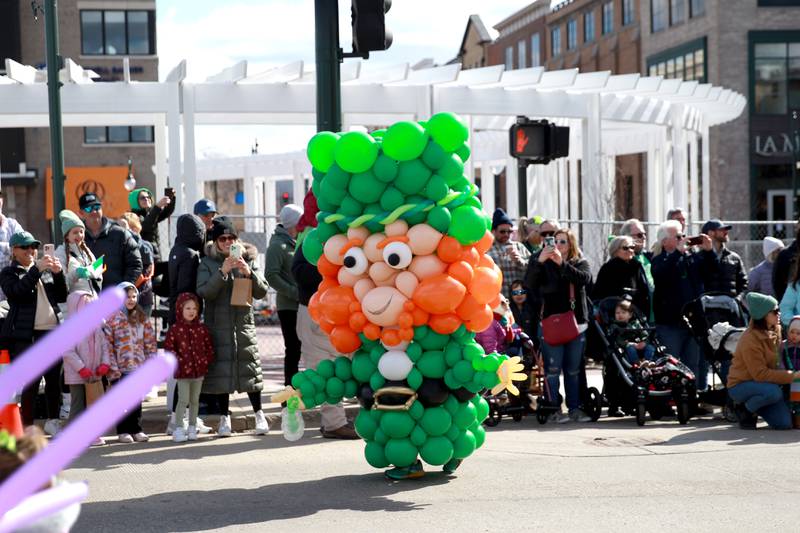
pixel 760 304
pixel 500 217
pixel 310 210
pixel 221 226
pixel 69 220
pixel 290 215
pixel 771 244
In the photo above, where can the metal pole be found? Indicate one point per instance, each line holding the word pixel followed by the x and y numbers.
pixel 54 100
pixel 329 100
pixel 794 125
pixel 522 187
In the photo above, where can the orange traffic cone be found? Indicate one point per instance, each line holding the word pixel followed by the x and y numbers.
pixel 10 418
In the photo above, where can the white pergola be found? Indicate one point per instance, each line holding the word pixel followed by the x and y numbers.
pixel 609 115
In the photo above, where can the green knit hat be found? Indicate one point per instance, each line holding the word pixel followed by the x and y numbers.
pixel 69 220
pixel 760 304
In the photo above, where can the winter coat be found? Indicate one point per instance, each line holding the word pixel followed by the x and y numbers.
pixel 756 358
pixel 150 219
pixel 78 257
pixel 552 282
pixel 525 317
pixel 790 303
pixel 278 269
pixel 236 365
pixel 8 227
pixel 618 277
pixel 495 338
pixel 305 275
pixel 130 344
pixel 91 351
pixel 724 273
pixel 21 289
pixel 190 342
pixel 760 278
pixel 678 281
pixel 146 251
pixel 121 257
pixel 184 259
pixel 783 271
pixel 625 333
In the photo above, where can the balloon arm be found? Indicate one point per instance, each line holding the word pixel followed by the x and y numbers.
pixel 285 394
pixel 43 504
pixel 509 371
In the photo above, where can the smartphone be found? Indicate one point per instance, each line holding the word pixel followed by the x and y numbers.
pixel 169 192
pixel 236 250
pixel 550 241
pixel 695 241
pixel 49 249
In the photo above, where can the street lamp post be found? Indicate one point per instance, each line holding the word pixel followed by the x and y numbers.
pixel 329 102
pixel 54 100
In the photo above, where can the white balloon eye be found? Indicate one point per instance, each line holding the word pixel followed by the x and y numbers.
pixel 397 255
pixel 355 262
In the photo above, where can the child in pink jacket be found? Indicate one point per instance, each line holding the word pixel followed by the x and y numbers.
pixel 87 362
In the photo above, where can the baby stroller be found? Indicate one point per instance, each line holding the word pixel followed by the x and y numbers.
pixel 716 321
pixel 507 404
pixel 591 401
pixel 644 386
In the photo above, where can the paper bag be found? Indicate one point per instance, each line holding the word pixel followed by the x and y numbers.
pixel 242 294
pixel 794 391
pixel 94 390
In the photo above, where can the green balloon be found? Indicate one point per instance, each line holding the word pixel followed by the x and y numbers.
pixel 432 364
pixel 400 452
pixel 463 152
pixel 436 421
pixel 312 247
pixel 355 151
pixel 480 436
pixel 420 332
pixel 436 450
pixel 351 207
pixel 418 436
pixel 376 381
pixel 343 368
pixel 374 453
pixel 380 436
pixel 372 225
pixel 416 410
pixel 439 218
pixel 326 231
pixel 317 174
pixel 385 168
pixel 434 156
pixel 376 353
pixel 338 177
pixel 363 367
pixel 378 134
pixel 472 351
pixel 412 176
pixel 320 150
pixel 365 187
pixel 331 192
pixel 452 169
pixel 447 130
pixel 489 380
pixel 397 424
pixel 463 371
pixel 450 380
pixel 298 379
pixel 434 341
pixel 453 432
pixel 335 388
pixel 475 385
pixel 474 202
pixel 414 379
pixel 452 353
pixel 464 445
pixel 325 368
pixel 317 380
pixel 481 409
pixel 307 391
pixel 365 425
pixel 405 140
pixel 436 189
pixel 315 187
pixel 392 199
pixel 414 351
pixel 467 226
pixel 320 398
pixel 350 388
pixel 465 415
pixel 451 404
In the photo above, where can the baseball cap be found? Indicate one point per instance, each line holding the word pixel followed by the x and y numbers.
pixel 204 207
pixel 23 238
pixel 88 199
pixel 713 225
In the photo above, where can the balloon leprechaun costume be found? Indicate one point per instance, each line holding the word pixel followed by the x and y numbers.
pixel 401 245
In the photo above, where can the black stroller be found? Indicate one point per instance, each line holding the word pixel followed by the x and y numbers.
pixel 716 321
pixel 644 386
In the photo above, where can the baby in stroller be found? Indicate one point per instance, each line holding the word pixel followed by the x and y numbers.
pixel 630 333
pixel 789 359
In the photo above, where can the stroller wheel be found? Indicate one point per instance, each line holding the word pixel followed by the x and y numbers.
pixel 541 417
pixel 684 413
pixel 641 413
pixel 494 417
pixel 517 417
pixel 594 403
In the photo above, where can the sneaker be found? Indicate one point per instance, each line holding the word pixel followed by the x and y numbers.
pixel 52 427
pixel 66 398
pixel 559 418
pixel 152 395
pixel 191 433
pixel 576 415
pixel 747 420
pixel 171 424
pixel 262 426
pixel 124 438
pixel 179 435
pixel 451 465
pixel 346 432
pixel 141 437
pixel 201 427
pixel 224 428
pixel 99 441
pixel 406 472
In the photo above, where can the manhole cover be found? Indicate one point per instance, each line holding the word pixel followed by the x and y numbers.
pixel 619 442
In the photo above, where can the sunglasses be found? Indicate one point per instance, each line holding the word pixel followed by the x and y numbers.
pixel 226 238
pixel 680 236
pixel 639 235
pixel 518 292
pixel 90 208
pixel 628 248
pixel 547 233
pixel 28 247
pixel 562 241
pixel 503 231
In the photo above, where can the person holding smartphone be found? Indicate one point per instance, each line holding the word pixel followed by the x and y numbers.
pixel 151 214
pixel 511 256
pixel 724 270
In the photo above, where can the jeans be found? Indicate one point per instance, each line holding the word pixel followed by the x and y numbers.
pixel 567 359
pixel 764 399
pixel 648 353
pixel 131 422
pixel 188 394
pixel 224 401
pixel 679 343
pixel 291 342
pixel 52 383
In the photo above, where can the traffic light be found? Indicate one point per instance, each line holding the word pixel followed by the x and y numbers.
pixel 538 141
pixel 369 25
pixel 285 198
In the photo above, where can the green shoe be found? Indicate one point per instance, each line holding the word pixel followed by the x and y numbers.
pixel 406 472
pixel 451 466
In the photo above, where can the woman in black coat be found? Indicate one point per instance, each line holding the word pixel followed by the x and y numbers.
pixel 27 282
pixel 623 274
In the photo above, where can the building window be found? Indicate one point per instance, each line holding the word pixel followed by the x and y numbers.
pixel 778 3
pixel 697 8
pixel 555 41
pixel 627 12
pixel 118 32
pixel 572 34
pixel 659 15
pixel 686 62
pixel 521 54
pixel 608 17
pixel 588 26
pixel 777 77
pixel 509 57
pixel 117 134
pixel 536 50
pixel 677 11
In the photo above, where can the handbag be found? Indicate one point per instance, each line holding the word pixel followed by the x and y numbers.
pixel 242 293
pixel 561 328
pixel 94 390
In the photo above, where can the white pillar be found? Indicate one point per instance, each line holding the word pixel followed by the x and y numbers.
pixel 654 211
pixel 250 200
pixel 469 165
pixel 694 184
pixel 680 178
pixel 189 156
pixel 174 155
pixel 563 188
pixel 706 171
pixel 487 186
pixel 512 192
pixel 298 184
pixel 574 192
pixel 160 140
pixel 595 203
pixel 271 206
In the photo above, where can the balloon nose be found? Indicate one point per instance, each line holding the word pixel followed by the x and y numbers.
pixel 383 305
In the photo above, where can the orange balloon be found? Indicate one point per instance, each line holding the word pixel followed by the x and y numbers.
pixel 439 294
pixel 313 307
pixel 335 304
pixel 405 320
pixel 494 302
pixel 326 326
pixel 486 261
pixel 449 249
pixel 327 283
pixel 406 334
pixel 357 322
pixel 445 324
pixel 469 307
pixel 462 271
pixel 409 306
pixel 390 337
pixel 344 339
pixel 372 331
pixel 355 306
pixel 486 284
pixel 420 317
pixel 485 243
pixel 471 256
pixel 326 268
pixel 481 320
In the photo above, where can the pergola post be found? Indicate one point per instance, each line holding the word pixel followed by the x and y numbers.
pixel 680 178
pixel 298 184
pixel 563 187
pixel 705 175
pixel 574 190
pixel 512 202
pixel 694 183
pixel 160 147
pixel 594 198
pixel 487 186
pixel 189 156
pixel 653 185
pixel 250 200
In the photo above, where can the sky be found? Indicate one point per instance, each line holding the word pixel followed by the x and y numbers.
pixel 213 35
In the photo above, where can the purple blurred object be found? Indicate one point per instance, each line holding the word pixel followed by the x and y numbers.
pixel 43 504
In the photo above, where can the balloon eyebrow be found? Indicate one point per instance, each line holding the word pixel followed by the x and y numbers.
pixel 388 240
pixel 355 241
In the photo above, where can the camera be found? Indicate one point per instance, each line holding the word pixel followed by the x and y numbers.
pixel 550 241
